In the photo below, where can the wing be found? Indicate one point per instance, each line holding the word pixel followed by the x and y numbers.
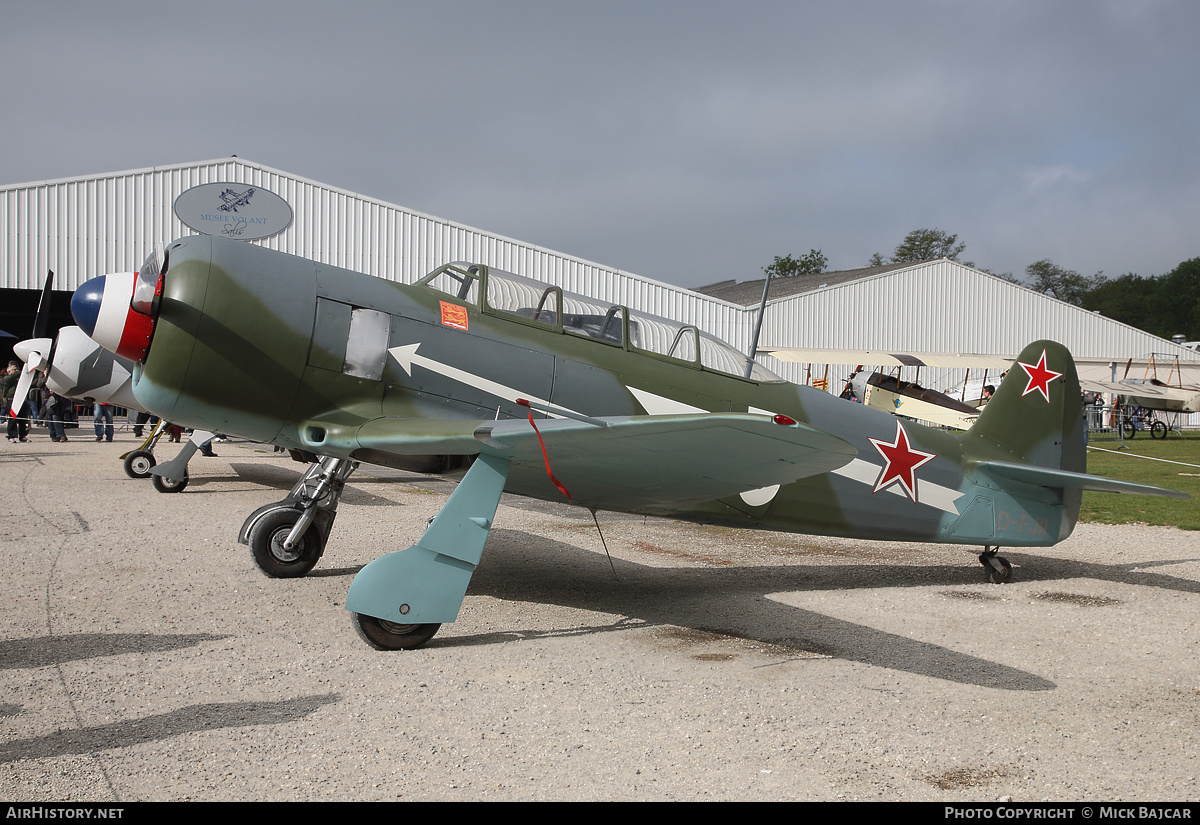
pixel 878 358
pixel 935 413
pixel 642 463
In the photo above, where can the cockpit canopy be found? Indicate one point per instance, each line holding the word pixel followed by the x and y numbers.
pixel 503 293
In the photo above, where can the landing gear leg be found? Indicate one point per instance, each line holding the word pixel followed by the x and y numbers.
pixel 287 537
pixel 139 462
pixel 998 568
pixel 399 600
pixel 172 476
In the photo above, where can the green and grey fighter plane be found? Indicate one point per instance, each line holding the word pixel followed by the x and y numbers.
pixel 520 387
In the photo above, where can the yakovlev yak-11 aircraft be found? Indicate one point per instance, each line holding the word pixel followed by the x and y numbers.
pixel 521 387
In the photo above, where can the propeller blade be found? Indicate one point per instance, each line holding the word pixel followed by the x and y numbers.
pixel 21 392
pixel 43 310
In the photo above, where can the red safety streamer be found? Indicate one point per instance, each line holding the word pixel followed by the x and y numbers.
pixel 546 456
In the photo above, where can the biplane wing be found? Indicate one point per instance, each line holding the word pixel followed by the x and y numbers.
pixel 880 358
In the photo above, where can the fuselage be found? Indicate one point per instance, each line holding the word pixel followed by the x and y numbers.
pixel 306 356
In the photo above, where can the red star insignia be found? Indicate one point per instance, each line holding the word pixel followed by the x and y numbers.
pixel 901 460
pixel 1040 377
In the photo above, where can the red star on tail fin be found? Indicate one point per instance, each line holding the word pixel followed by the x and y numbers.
pixel 1040 377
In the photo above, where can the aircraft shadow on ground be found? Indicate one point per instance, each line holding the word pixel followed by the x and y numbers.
pixel 53 650
pixel 163 726
pixel 41 652
pixel 282 478
pixel 733 601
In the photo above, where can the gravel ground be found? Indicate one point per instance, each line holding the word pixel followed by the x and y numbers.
pixel 144 657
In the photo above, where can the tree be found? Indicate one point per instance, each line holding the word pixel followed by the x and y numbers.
pixel 1049 278
pixel 789 267
pixel 1177 301
pixel 1128 299
pixel 925 245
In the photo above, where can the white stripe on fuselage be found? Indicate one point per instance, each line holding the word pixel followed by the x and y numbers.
pixel 935 495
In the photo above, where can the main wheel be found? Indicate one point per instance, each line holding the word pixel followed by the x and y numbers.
pixel 385 635
pixel 139 463
pixel 1128 429
pixel 266 545
pixel 166 485
pixel 1158 429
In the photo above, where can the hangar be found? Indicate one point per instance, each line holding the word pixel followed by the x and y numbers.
pixel 85 226
pixel 940 306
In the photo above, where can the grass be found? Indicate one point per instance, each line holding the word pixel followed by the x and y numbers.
pixel 1106 459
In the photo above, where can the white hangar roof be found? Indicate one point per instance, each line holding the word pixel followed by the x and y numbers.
pixel 938 306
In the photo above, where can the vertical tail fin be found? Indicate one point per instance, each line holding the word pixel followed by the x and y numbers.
pixel 1032 426
pixel 1036 415
pixel 1026 456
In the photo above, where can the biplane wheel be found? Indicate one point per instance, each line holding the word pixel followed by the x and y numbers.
pixel 385 635
pixel 995 576
pixel 266 545
pixel 1158 429
pixel 166 485
pixel 139 463
pixel 1128 428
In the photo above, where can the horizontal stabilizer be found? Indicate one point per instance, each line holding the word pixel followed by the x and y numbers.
pixel 1049 477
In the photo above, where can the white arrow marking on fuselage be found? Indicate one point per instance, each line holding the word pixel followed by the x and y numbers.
pixel 935 495
pixel 657 405
pixel 406 356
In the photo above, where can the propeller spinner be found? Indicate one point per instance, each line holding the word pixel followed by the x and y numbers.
pixel 118 310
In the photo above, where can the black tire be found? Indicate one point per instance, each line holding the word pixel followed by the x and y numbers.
pixel 1128 428
pixel 139 463
pixel 997 577
pixel 167 486
pixel 266 545
pixel 384 635
pixel 1158 429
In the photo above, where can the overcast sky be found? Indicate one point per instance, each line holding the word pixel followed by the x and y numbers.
pixel 688 142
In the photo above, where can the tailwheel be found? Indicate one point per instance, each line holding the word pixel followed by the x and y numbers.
pixel 998 568
pixel 167 485
pixel 139 463
pixel 384 635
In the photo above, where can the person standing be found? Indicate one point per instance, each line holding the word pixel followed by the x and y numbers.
pixel 103 419
pixel 52 411
pixel 18 420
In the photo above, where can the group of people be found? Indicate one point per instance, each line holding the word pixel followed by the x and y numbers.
pixel 44 405
pixel 55 410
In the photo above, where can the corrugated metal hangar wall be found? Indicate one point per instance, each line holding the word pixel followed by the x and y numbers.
pixel 943 306
pixel 82 227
